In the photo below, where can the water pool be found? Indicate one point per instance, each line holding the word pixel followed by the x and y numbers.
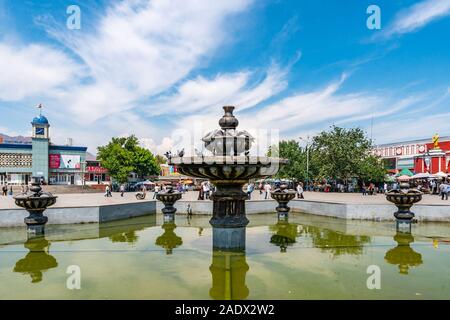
pixel 306 257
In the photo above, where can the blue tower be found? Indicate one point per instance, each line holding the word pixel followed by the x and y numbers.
pixel 40 142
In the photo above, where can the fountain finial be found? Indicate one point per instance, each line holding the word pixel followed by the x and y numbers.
pixel 228 121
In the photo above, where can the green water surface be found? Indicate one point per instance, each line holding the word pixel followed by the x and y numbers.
pixel 308 257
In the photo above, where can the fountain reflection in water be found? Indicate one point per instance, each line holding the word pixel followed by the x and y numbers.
pixel 285 233
pixel 38 259
pixel 229 264
pixel 403 255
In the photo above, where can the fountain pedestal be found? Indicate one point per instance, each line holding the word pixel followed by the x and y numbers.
pixel 229 205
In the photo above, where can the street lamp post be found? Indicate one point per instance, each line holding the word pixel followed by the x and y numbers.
pixel 308 142
pixel 83 172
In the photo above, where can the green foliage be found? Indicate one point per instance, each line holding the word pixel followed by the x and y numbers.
pixel 123 155
pixel 340 152
pixel 296 155
pixel 371 169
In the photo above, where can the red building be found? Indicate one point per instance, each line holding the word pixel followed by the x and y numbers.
pixel 434 160
pixel 95 173
pixel 417 155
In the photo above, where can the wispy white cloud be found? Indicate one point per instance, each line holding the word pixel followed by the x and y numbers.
pixel 30 70
pixel 417 16
pixel 141 48
pixel 237 88
pixel 417 128
pixel 301 112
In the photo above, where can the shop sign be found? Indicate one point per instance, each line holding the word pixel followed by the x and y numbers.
pixel 96 169
pixel 54 161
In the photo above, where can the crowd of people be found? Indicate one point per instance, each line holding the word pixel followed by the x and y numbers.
pixel 206 189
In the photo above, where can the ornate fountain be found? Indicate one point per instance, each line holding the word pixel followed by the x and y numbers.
pixel 229 167
pixel 35 202
pixel 283 195
pixel 404 198
pixel 168 198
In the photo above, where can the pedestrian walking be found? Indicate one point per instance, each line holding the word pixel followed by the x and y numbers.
pixel 249 191
pixel 5 190
pixel 156 191
pixel 122 190
pixel 447 190
pixel 443 189
pixel 206 190
pixel 200 193
pixel 267 188
pixel 300 191
pixel 10 191
pixel 107 191
pixel 364 189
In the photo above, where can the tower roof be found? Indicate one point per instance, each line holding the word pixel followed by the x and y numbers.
pixel 40 120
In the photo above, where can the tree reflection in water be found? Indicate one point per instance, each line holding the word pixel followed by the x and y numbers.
pixel 129 237
pixel 169 240
pixel 37 260
pixel 403 255
pixel 335 242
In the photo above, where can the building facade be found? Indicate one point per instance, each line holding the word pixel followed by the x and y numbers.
pixel 418 155
pixel 55 164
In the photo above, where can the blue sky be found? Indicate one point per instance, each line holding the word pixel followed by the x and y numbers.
pixel 156 68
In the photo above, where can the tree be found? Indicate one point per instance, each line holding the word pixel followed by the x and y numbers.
pixel 296 155
pixel 123 155
pixel 372 169
pixel 144 163
pixel 339 152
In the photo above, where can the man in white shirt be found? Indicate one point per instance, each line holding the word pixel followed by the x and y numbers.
pixel 156 191
pixel 267 188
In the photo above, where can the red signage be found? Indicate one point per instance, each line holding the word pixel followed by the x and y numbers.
pixel 54 161
pixel 96 169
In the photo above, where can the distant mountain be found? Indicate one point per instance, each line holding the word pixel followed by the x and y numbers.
pixel 17 139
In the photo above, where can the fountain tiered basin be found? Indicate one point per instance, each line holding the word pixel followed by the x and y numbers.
pixel 283 195
pixel 228 170
pixel 404 198
pixel 35 202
